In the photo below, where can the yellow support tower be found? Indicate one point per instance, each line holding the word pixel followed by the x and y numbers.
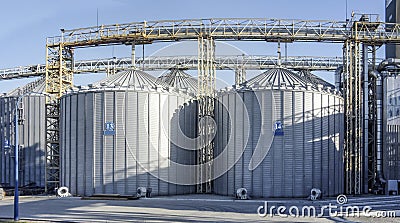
pixel 59 77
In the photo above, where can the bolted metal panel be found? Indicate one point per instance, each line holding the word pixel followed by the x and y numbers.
pixel 248 145
pixel 277 149
pixel 231 144
pixel 81 144
pixel 217 148
pixel 325 144
pixel 120 151
pixel 67 131
pixel 89 141
pixel 255 109
pixel 331 144
pixel 317 143
pixel 142 153
pixel 73 140
pixel 308 141
pixel 153 138
pixel 299 140
pixel 266 110
pixel 179 119
pixel 287 149
pixel 131 139
pixel 164 141
pixel 238 140
pixel 98 116
pixel 108 147
pixel 172 189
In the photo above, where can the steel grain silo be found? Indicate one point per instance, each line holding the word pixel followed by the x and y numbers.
pixel 179 79
pixel 296 124
pixel 122 133
pixel 32 130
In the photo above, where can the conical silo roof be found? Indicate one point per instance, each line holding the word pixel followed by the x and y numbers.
pixel 278 77
pixel 37 86
pixel 179 79
pixel 131 78
pixel 307 75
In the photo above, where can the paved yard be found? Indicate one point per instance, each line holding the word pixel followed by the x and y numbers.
pixel 190 208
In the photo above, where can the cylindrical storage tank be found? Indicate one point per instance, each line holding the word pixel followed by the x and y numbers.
pixel 279 136
pixel 122 133
pixel 187 115
pixel 179 79
pixel 32 131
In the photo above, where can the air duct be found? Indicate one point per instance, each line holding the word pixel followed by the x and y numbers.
pixel 379 126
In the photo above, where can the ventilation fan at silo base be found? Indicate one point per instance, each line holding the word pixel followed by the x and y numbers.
pixel 144 192
pixel 63 192
pixel 241 194
pixel 315 194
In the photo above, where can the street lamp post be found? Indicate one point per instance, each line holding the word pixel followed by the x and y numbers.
pixel 16 157
pixel 16 153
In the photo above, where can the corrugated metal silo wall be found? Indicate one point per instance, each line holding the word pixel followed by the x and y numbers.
pixel 308 155
pixel 94 163
pixel 31 141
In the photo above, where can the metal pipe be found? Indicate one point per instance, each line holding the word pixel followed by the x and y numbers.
pixel 379 125
pixel 338 78
pixel 279 53
pixel 388 62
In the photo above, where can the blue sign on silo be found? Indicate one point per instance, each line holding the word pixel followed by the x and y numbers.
pixel 109 128
pixel 279 128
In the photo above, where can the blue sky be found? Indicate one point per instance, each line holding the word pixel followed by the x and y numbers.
pixel 26 24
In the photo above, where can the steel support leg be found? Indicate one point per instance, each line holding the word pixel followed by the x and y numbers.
pixel 52 146
pixel 206 94
pixel 133 55
pixel 240 75
pixel 365 104
pixel 353 97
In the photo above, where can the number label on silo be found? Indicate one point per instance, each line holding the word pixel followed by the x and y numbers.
pixel 278 128
pixel 109 128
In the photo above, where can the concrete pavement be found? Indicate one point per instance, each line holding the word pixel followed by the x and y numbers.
pixel 187 208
